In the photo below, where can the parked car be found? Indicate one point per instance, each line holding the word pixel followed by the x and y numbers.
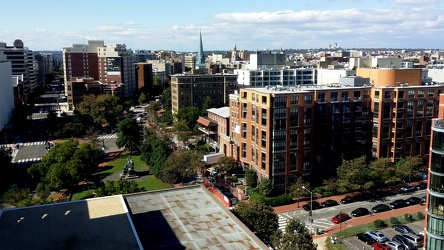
pixel 407 188
pixel 378 236
pixel 413 201
pixel 421 186
pixel 402 229
pixel 394 245
pixel 360 211
pixel 341 217
pixel 366 238
pixel 423 200
pixel 380 208
pixel 406 243
pixel 397 204
pixel 329 203
pixel 315 205
pixel 348 199
pixel 416 240
pixel 380 246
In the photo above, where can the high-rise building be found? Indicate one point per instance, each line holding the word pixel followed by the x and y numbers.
pixel 276 76
pixel 434 222
pixel 6 91
pixel 81 60
pixel 117 65
pixel 192 90
pixel 274 128
pixel 22 64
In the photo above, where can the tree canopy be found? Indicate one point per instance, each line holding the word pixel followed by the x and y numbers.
pixel 227 165
pixel 259 218
pixel 251 178
pixel 129 134
pixel 66 164
pixel 296 237
pixel 181 165
pixel 120 186
pixel 154 152
pixel 5 166
pixel 101 109
pixel 189 115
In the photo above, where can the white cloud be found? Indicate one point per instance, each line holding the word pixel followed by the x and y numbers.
pixel 40 30
pixel 416 1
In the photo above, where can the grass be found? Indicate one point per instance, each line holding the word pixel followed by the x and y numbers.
pixel 149 182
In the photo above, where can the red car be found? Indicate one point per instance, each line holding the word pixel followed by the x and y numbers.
pixel 341 217
pixel 380 246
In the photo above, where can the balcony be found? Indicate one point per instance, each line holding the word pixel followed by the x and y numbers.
pixel 357 99
pixel 345 99
pixel 333 99
pixel 322 100
pixel 438 123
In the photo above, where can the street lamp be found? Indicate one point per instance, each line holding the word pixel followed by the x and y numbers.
pixel 310 215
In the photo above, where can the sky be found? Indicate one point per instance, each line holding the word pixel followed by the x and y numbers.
pixel 248 24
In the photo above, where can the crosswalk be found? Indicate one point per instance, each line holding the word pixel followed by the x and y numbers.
pixel 30 160
pixel 321 224
pixel 110 136
pixel 39 118
pixel 35 143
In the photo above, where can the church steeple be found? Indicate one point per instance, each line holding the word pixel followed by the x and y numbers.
pixel 234 54
pixel 200 60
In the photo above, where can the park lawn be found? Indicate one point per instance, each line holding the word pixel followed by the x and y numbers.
pixel 82 195
pixel 152 183
pixel 118 164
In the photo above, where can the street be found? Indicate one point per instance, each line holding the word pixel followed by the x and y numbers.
pixel 322 217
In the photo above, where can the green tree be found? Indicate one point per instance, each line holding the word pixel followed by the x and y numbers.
pixel 251 178
pixel 296 189
pixel 129 134
pixel 353 175
pixel 296 237
pixel 101 109
pixel 383 170
pixel 265 187
pixel 409 166
pixel 120 186
pixel 259 218
pixel 181 165
pixel 165 99
pixel 227 165
pixel 142 98
pixel 189 115
pixel 67 164
pixel 5 166
pixel 207 104
pixel 182 131
pixel 154 152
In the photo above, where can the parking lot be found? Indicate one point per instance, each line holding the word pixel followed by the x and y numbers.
pixel 354 243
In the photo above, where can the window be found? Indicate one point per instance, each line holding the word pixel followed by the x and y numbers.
pixel 387 94
pixel 294 113
pixel 420 93
pixel 400 94
pixel 321 97
pixel 306 163
pixel 294 99
pixel 377 94
pixel 308 99
pixel 411 93
pixel 264 139
pixel 264 117
pixel 430 93
pixel 244 150
pixel 264 161
pixel 244 130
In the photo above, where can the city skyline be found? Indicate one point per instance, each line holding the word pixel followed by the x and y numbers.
pixel 250 25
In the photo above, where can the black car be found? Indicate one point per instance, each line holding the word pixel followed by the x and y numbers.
pixel 329 203
pixel 413 201
pixel 398 204
pixel 421 186
pixel 361 211
pixel 402 229
pixel 380 208
pixel 406 243
pixel 366 238
pixel 348 199
pixel 315 205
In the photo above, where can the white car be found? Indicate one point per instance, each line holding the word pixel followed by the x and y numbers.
pixel 378 236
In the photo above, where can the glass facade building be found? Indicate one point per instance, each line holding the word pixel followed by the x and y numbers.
pixel 435 196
